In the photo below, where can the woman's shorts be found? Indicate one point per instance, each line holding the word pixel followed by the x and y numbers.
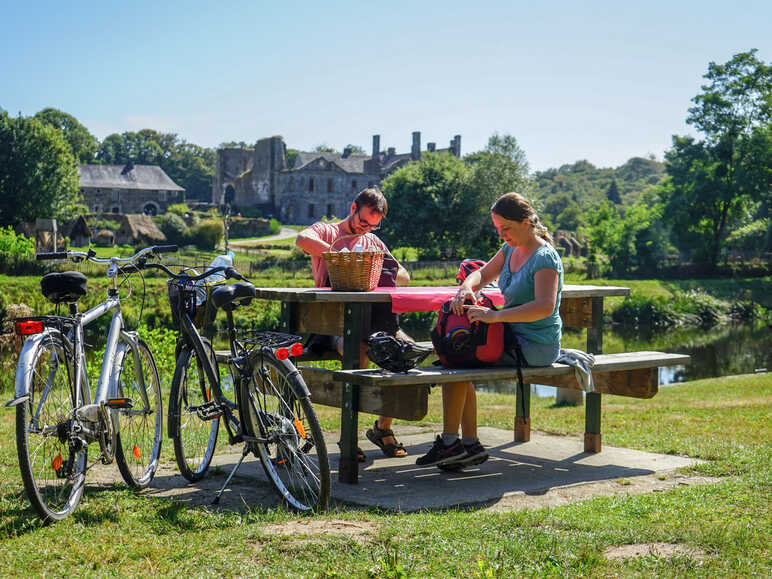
pixel 535 354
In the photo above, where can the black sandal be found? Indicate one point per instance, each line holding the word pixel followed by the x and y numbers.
pixel 376 436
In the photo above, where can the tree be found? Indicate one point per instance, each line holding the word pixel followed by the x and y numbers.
pixel 355 149
pixel 188 165
pixel 430 204
pixel 715 182
pixel 612 193
pixel 501 168
pixel 324 148
pixel 38 173
pixel 83 144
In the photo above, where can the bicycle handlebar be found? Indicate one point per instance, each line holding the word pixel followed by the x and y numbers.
pixel 91 254
pixel 230 272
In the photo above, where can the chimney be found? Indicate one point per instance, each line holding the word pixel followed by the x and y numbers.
pixel 347 152
pixel 392 151
pixel 431 147
pixel 456 145
pixel 376 145
pixel 415 151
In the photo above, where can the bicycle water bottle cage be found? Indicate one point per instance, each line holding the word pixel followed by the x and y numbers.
pixel 63 287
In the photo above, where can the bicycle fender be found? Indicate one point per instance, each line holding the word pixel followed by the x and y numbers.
pixel 296 379
pixel 25 365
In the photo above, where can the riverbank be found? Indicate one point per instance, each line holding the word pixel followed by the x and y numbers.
pixel 703 530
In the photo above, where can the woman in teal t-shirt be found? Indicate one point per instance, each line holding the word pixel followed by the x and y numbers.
pixel 530 276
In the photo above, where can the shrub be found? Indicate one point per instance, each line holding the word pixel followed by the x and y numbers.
pixel 179 209
pixel 275 226
pixel 15 244
pixel 173 227
pixel 207 234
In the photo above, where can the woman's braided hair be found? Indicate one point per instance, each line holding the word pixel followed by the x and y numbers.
pixel 515 207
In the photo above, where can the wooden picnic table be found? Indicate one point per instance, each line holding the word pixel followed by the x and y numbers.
pixel 347 314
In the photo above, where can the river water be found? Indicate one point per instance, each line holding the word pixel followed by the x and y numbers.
pixel 723 350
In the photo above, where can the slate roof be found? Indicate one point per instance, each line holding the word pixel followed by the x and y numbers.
pixel 350 164
pixel 140 177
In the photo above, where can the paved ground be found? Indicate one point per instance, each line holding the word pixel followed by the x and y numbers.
pixel 547 471
pixel 284 233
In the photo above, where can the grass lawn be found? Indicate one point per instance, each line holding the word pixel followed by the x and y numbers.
pixel 724 421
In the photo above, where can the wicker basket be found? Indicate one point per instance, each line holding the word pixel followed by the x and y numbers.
pixel 353 270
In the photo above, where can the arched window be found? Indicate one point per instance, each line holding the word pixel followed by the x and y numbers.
pixel 311 184
pixel 354 185
pixel 329 186
pixel 291 183
pixel 311 210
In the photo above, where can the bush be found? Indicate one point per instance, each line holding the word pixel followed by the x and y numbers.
pixel 179 209
pixel 173 227
pixel 15 244
pixel 275 226
pixel 207 234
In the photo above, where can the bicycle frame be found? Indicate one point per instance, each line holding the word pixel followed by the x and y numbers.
pixel 107 385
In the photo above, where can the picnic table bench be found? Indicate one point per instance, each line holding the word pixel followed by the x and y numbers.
pixel 405 395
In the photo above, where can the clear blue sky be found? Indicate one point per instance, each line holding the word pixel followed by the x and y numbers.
pixel 602 81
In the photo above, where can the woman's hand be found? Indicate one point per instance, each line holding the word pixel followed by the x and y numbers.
pixel 463 295
pixel 481 314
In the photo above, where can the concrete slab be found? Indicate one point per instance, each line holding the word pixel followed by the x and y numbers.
pixel 547 471
pixel 531 468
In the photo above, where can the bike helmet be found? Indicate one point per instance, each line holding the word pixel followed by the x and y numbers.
pixel 466 267
pixel 395 354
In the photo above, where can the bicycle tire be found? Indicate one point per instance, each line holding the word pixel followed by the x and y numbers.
pixel 194 438
pixel 140 428
pixel 292 450
pixel 54 484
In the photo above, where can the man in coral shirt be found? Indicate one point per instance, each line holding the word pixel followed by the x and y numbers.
pixel 365 214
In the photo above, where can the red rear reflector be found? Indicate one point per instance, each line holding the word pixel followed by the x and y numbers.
pixel 282 354
pixel 29 327
pixel 296 349
pixel 56 464
pixel 137 452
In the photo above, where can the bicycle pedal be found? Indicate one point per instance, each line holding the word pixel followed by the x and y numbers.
pixel 209 411
pixel 119 403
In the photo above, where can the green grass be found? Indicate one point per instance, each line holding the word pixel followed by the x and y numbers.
pixel 724 421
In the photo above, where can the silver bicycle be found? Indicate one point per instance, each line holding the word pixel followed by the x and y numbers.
pixel 57 418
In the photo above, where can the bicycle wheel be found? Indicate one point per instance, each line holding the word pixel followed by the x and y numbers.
pixel 52 468
pixel 191 427
pixel 140 427
pixel 291 447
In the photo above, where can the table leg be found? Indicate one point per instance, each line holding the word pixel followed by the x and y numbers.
pixel 523 413
pixel 592 439
pixel 354 317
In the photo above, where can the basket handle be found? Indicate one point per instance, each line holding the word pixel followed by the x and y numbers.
pixel 368 236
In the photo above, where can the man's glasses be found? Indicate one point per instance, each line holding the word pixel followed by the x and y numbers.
pixel 366 224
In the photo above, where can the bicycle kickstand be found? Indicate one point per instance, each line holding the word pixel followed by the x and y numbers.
pixel 230 476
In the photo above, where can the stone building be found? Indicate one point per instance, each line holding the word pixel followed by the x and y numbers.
pixel 317 185
pixel 128 188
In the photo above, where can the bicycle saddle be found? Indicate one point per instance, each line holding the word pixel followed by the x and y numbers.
pixel 224 296
pixel 63 287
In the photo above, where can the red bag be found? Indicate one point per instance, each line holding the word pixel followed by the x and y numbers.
pixel 462 344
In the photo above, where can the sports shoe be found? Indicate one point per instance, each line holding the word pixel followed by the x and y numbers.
pixel 441 454
pixel 475 454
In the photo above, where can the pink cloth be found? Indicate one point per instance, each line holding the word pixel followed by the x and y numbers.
pixel 424 299
pixel 329 232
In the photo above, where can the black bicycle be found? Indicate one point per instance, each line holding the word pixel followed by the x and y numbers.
pixel 272 414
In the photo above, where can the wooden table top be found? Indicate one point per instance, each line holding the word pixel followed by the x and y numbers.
pixel 327 295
